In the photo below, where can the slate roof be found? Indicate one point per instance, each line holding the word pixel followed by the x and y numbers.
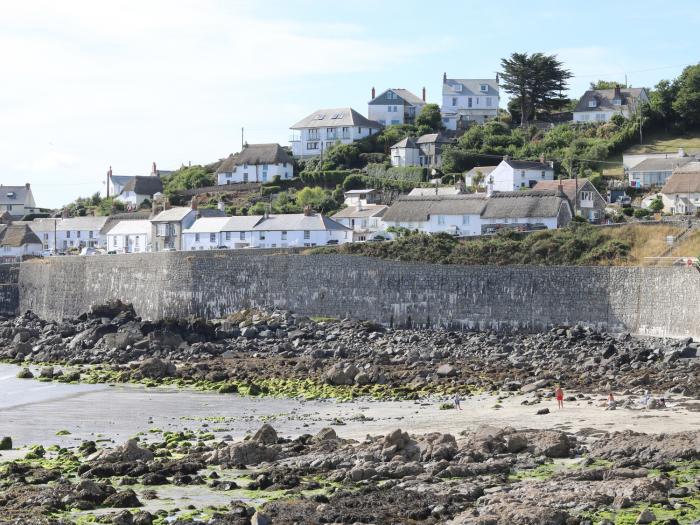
pixel 604 98
pixel 682 182
pixel 661 164
pixel 173 214
pixel 568 186
pixel 406 96
pixel 13 194
pixel 208 225
pixel 470 86
pixel 82 223
pixel 436 138
pixel 18 235
pixel 256 154
pixel 437 190
pixel 144 185
pixel 527 164
pixel 323 118
pixel 485 170
pixel 419 208
pixel 44 225
pixel 367 210
pixel 522 204
pixel 408 142
pixel 691 167
pixel 211 212
pixel 130 227
pixel 299 221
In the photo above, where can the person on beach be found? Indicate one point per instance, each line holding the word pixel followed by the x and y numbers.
pixel 457 400
pixel 559 394
pixel 611 402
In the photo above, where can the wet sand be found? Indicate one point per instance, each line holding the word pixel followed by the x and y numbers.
pixel 33 412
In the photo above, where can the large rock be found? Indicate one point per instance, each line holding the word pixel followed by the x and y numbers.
pixel 156 368
pixel 129 451
pixel 446 371
pixel 339 374
pixel 124 499
pixel 265 435
pixel 246 453
pixel 550 443
pixel 112 309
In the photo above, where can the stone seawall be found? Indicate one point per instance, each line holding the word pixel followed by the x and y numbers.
pixel 651 301
pixel 9 291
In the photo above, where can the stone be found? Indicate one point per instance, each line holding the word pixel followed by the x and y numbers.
pixel 260 519
pixel 124 499
pixel 156 368
pixel 542 411
pixel 143 517
pixel 25 373
pixel 446 371
pixel 265 435
pixel 46 372
pixel 326 434
pixel 645 517
pixel 123 518
pixel 129 451
pixel 6 443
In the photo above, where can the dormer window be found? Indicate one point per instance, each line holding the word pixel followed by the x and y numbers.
pixel 592 103
pixel 617 101
pixel 458 87
pixel 484 88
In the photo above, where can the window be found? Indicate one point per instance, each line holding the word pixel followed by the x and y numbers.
pixel 229 175
pixel 617 102
pixel 543 174
pixel 212 237
pixel 465 219
pixel 90 234
pixel 68 235
pixel 307 234
pixel 454 101
pixel 469 102
pixel 522 173
pixel 359 130
pixel 262 236
pixel 592 103
pixel 586 195
pixel 312 145
pixel 489 102
pixel 196 237
pixel 346 133
pixel 245 177
pixel 228 236
pixel 395 121
pixel 136 240
pixel 245 166
pixel 242 236
pixel 284 236
pixel 46 236
pixel 484 88
pixel 77 234
pixel 600 117
pixel 264 167
pixel 441 219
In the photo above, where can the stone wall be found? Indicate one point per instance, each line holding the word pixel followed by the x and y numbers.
pixel 653 301
pixel 9 294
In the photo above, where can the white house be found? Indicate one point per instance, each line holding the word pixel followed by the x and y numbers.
pixel 168 225
pixel 361 197
pixel 599 105
pixel 456 214
pixel 511 175
pixel 364 219
pixel 81 232
pixel 138 189
pixel 256 163
pixel 681 193
pixel 468 100
pixel 210 233
pixel 525 211
pixel 325 127
pixel 425 151
pixel 47 231
pixel 18 241
pixel 130 236
pixel 18 200
pixel 395 106
pixel 480 174
pixel 655 171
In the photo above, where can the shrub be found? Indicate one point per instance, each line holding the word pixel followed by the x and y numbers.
pixel 640 213
pixel 628 211
pixel 354 182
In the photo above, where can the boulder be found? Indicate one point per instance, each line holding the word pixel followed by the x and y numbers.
pixel 156 368
pixel 46 372
pixel 111 309
pixel 266 435
pixel 446 371
pixel 326 434
pixel 25 373
pixel 122 518
pixel 646 516
pixel 6 443
pixel 129 451
pixel 260 519
pixel 341 375
pixel 124 499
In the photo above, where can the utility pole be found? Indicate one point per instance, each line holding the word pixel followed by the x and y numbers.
pixel 242 141
pixel 55 250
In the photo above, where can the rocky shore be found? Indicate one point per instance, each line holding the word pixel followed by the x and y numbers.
pixel 478 474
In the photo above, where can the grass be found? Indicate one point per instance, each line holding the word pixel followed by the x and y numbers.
pixel 664 143
pixel 689 246
pixel 645 241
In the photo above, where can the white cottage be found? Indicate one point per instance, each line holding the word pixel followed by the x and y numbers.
pixel 18 241
pixel 599 105
pixel 681 193
pixel 82 232
pixel 326 127
pixel 512 175
pixel 17 200
pixel 455 214
pixel 256 163
pixel 130 236
pixel 364 219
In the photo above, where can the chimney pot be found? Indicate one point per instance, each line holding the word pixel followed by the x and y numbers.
pixel 444 78
pixel 307 211
pixel 193 203
pixel 542 158
pixel 423 93
pixel 154 171
pixel 373 93
pixel 26 185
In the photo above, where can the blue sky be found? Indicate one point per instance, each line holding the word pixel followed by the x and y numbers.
pixel 91 84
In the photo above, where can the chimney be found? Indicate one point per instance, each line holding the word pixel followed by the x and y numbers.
pixel 489 187
pixel 444 78
pixel 64 213
pixel 617 90
pixel 506 158
pixel 541 158
pixel 221 206
pixel 373 93
pixel 423 93
pixel 154 171
pixel 193 203
pixel 26 185
pixel 307 211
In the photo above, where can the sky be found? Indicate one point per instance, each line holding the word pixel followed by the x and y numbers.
pixel 91 84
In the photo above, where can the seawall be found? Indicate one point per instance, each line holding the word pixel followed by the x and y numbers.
pixel 9 288
pixel 648 301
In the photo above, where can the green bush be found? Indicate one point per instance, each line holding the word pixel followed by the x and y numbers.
pixel 403 173
pixel 628 211
pixel 640 213
pixel 326 179
pixel 269 190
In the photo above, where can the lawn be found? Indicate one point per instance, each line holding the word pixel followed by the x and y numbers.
pixel 664 143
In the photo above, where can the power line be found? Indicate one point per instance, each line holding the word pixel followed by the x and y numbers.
pixel 629 72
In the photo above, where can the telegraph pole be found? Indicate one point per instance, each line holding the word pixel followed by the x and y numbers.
pixel 242 141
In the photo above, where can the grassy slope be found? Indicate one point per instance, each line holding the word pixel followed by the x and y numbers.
pixel 645 241
pixel 664 143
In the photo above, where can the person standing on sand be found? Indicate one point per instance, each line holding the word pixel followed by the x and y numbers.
pixel 457 400
pixel 559 394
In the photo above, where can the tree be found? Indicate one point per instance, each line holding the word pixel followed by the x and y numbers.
pixel 606 84
pixel 353 182
pixel 687 102
pixel 342 156
pixel 657 204
pixel 187 178
pixel 536 80
pixel 661 103
pixel 431 117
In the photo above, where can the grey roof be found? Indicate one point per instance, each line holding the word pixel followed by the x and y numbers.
pixel 88 223
pixel 470 86
pixel 408 142
pixel 485 170
pixel 256 154
pixel 522 204
pixel 144 185
pixel 13 194
pixel 437 138
pixel 360 192
pixel 406 97
pixel 17 235
pixel 173 214
pixel 44 225
pixel 661 164
pixel 691 167
pixel 335 117
pixel 437 190
pixel 527 164
pixel 420 208
pixel 367 210
pixel 298 221
pixel 130 227
pixel 121 180
pixel 211 212
pixel 682 182
pixel 604 98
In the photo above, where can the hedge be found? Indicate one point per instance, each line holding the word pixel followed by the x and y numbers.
pixel 403 173
pixel 326 179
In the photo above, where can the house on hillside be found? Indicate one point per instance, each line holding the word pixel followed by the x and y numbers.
pixel 599 105
pixel 361 197
pixel 525 211
pixel 17 200
pixel 395 106
pixel 130 236
pixel 265 231
pixel 47 231
pixel 364 219
pixel 466 100
pixel 168 225
pixel 478 173
pixel 513 175
pixel 81 232
pixel 457 189
pixel 325 127
pixel 424 151
pixel 655 171
pixel 18 241
pixel 681 193
pixel 584 198
pixel 456 214
pixel 138 189
pixel 256 163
